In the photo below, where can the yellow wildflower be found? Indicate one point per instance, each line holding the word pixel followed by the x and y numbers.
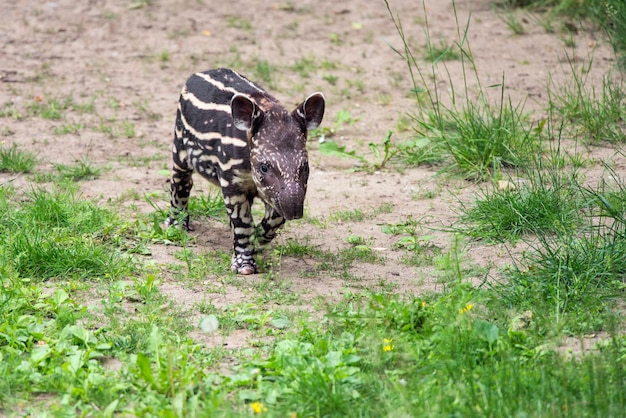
pixel 258 407
pixel 424 304
pixel 466 308
pixel 387 344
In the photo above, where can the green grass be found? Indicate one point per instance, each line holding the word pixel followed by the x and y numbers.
pixel 14 160
pixel 471 135
pixel 609 15
pixel 513 23
pixel 82 170
pixel 208 205
pixel 442 51
pixel 483 139
pixel 54 108
pixel 54 235
pixel 92 326
pixel 543 203
pixel 371 354
pixel 594 115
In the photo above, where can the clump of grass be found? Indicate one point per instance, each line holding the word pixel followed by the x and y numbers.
pixel 571 283
pixel 263 72
pixel 54 235
pixel 593 116
pixel 513 23
pixel 207 205
pixel 484 139
pixel 442 51
pixel 68 128
pixel 48 109
pixel 610 15
pixel 481 138
pixel 82 170
pixel 305 66
pixel 572 276
pixel 355 215
pixel 13 160
pixel 545 203
pixel 238 22
pixel 419 250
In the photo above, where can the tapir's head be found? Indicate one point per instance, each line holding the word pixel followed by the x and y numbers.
pixel 280 165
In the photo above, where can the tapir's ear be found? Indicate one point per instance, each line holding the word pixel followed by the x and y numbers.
pixel 244 111
pixel 311 110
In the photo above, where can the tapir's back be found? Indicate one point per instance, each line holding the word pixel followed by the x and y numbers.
pixel 214 145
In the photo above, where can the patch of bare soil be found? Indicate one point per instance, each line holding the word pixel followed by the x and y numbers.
pixel 130 60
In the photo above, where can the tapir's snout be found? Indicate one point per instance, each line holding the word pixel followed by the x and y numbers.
pixel 291 202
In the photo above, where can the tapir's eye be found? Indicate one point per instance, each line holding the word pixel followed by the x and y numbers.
pixel 264 168
pixel 304 171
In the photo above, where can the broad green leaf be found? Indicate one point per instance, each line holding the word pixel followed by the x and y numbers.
pixel 280 322
pixel 59 296
pixel 39 353
pixel 82 334
pixel 110 409
pixel 486 330
pixel 75 361
pixel 145 368
pixel 333 149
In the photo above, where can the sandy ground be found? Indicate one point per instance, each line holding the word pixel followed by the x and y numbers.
pixel 131 58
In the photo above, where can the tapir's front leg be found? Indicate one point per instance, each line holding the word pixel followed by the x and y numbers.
pixel 269 226
pixel 241 223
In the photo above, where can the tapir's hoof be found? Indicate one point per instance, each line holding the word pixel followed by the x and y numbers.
pixel 173 222
pixel 244 268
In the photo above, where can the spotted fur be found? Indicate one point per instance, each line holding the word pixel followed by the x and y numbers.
pixel 239 137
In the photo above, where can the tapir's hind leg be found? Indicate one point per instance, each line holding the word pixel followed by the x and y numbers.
pixel 182 180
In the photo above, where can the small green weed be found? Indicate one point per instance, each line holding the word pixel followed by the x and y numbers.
pixel 383 153
pixel 47 109
pixel 592 116
pixel 355 215
pixel 442 52
pixel 208 205
pixel 238 22
pixel 13 160
pixel 419 249
pixel 54 108
pixel 68 128
pixel 512 22
pixel 9 111
pixel 82 170
pixel 264 72
pixel 305 66
pixel 296 248
pixel 331 79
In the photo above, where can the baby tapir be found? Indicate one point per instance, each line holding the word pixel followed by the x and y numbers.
pixel 239 137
